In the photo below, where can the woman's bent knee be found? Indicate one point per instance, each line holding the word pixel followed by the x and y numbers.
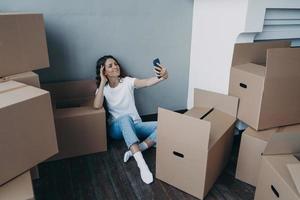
pixel 125 118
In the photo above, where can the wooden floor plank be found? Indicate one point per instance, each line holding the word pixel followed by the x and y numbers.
pixel 105 176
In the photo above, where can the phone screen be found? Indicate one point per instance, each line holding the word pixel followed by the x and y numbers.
pixel 156 62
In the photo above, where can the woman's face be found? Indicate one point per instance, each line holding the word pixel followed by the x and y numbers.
pixel 111 68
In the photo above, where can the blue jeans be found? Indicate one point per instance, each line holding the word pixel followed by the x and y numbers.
pixel 124 127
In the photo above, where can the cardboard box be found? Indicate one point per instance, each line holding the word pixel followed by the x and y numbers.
pixel 193 148
pixel 80 128
pixel 253 144
pixel 23 43
pixel 294 170
pixel 32 79
pixel 265 76
pixel 19 188
pixel 275 181
pixel 28 78
pixel 27 132
pixel 72 93
pixel 80 131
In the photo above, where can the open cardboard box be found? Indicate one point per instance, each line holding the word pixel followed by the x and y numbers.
pixel 266 76
pixel 276 175
pixel 193 148
pixel 27 132
pixel 252 146
pixel 23 43
pixel 20 188
pixel 70 94
pixel 80 128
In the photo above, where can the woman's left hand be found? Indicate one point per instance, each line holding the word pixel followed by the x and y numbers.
pixel 162 72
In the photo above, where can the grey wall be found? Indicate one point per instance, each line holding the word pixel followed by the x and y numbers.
pixel 134 31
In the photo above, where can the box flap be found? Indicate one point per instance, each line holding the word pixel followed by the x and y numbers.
pixel 76 111
pixel 63 91
pixel 220 123
pixel 10 85
pixel 287 143
pixel 173 123
pixel 224 103
pixel 21 75
pixel 73 103
pixel 265 135
pixel 291 128
pixel 12 92
pixel 294 170
pixel 254 69
pixel 282 80
pixel 28 78
pixel 198 112
pixel 254 52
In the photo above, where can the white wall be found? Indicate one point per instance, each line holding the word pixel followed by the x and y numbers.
pixel 217 26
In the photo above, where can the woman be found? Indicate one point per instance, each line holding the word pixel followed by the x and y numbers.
pixel 124 120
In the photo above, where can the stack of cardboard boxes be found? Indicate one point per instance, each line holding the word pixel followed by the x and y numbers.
pixel 266 76
pixel 193 148
pixel 27 134
pixel 27 131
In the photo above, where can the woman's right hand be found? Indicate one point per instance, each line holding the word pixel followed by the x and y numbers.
pixel 103 77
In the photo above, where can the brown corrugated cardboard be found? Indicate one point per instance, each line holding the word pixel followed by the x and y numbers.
pixel 281 144
pixel 28 78
pixel 275 180
pixel 23 43
pixel 27 132
pixel 72 93
pixel 81 129
pixel 294 170
pixel 255 52
pixel 253 144
pixel 265 76
pixel 19 188
pixel 193 148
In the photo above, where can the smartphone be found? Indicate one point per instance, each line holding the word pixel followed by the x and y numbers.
pixel 155 63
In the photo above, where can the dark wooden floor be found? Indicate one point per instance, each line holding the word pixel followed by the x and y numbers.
pixel 105 176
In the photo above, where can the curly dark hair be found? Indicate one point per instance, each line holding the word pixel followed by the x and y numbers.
pixel 101 61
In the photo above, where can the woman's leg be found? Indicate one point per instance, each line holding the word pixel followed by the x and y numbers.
pixel 144 130
pixel 126 126
pixel 147 130
pixel 115 132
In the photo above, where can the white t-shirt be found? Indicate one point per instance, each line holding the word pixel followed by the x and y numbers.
pixel 120 100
